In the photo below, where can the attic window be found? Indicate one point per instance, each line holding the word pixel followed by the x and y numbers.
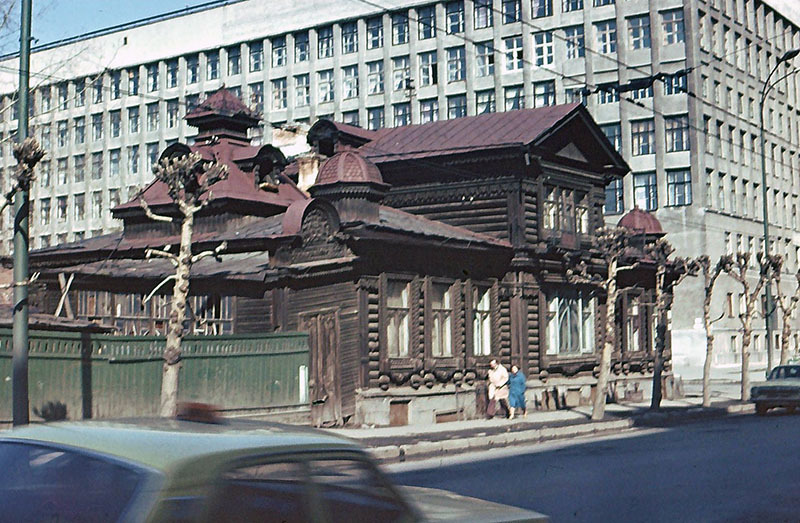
pixel 266 179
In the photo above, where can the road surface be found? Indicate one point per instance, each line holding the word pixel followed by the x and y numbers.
pixel 744 468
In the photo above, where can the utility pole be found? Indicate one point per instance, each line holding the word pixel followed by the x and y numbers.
pixel 20 327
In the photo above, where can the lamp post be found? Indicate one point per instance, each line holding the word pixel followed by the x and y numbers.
pixel 768 318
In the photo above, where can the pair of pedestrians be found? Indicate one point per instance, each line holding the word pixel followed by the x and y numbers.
pixel 506 391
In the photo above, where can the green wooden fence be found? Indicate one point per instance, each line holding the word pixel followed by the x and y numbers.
pixel 101 375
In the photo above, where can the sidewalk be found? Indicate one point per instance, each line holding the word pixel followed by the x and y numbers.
pixel 394 444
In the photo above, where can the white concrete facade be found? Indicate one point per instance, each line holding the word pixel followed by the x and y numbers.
pixel 691 139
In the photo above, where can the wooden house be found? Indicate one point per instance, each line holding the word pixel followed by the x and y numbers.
pixel 419 254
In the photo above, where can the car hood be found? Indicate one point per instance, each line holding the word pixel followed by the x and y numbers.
pixel 441 505
pixel 786 382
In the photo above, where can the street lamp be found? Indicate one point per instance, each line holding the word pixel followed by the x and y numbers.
pixel 768 318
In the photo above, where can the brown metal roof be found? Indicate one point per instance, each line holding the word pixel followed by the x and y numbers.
pixel 461 135
pixel 239 185
pixel 223 103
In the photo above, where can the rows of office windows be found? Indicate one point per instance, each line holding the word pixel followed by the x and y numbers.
pixel 739 196
pixel 153 77
pixel 645 191
pixel 730 143
pixel 754 245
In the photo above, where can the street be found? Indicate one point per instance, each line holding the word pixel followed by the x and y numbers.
pixel 743 468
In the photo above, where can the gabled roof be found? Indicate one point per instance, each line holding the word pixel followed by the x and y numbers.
pixel 461 135
pixel 239 185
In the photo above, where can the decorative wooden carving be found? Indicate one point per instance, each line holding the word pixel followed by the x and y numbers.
pixel 319 239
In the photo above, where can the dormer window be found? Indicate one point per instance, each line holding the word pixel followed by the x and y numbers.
pixel 565 210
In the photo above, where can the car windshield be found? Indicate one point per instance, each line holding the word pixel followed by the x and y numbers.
pixel 785 372
pixel 41 483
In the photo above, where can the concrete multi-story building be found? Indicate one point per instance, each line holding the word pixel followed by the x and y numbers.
pixel 686 117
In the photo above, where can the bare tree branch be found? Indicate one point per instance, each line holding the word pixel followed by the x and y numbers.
pixel 166 280
pixel 150 214
pixel 215 253
pixel 159 253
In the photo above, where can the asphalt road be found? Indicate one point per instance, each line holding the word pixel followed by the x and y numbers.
pixel 743 468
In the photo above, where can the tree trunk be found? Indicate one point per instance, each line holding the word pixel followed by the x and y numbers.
pixel 786 332
pixel 599 406
pixel 661 333
pixel 177 315
pixel 709 352
pixel 746 335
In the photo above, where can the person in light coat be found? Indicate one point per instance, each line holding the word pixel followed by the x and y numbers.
pixel 498 389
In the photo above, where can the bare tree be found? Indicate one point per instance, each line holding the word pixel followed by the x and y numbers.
pixel 28 154
pixel 612 246
pixel 786 304
pixel 736 266
pixel 710 275
pixel 188 179
pixel 660 253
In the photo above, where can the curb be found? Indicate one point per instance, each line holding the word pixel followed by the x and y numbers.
pixel 426 449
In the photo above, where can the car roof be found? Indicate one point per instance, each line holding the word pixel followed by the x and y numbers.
pixel 165 444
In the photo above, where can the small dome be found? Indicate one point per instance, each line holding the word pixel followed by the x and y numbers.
pixel 640 222
pixel 348 166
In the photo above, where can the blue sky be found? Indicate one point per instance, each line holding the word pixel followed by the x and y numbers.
pixel 58 19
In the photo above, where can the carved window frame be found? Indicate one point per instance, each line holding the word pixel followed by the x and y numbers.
pixel 405 361
pixel 548 360
pixel 470 288
pixel 454 293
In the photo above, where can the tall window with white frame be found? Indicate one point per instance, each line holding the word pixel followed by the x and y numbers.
pixel 212 65
pixel 426 20
pixel 572 5
pixel 325 42
pixel 456 106
pixel 482 13
pixel 513 53
pixel 645 191
pixel 643 137
pixel 514 97
pixel 349 37
pixel 639 32
pixel 544 93
pixel 375 33
pixel 400 28
pixel 401 72
pixel 301 47
pixel 375 77
pixel 456 64
pixel 542 48
pixel 279 94
pixel 302 90
pixel 614 201
pixel 454 12
pixel 570 323
pixel 575 42
pixel 484 59
pixel 398 325
pixel 428 110
pixel 402 114
pixel 679 187
pixel 325 85
pixel 481 321
pixel 428 68
pixel 512 11
pixel 192 71
pixel 279 51
pixel 672 26
pixel 375 118
pixel 441 324
pixel 350 82
pixel 677 133
pixel 613 132
pixel 485 102
pixel 234 60
pixel 256 56
pixel 606 36
pixel 541 8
